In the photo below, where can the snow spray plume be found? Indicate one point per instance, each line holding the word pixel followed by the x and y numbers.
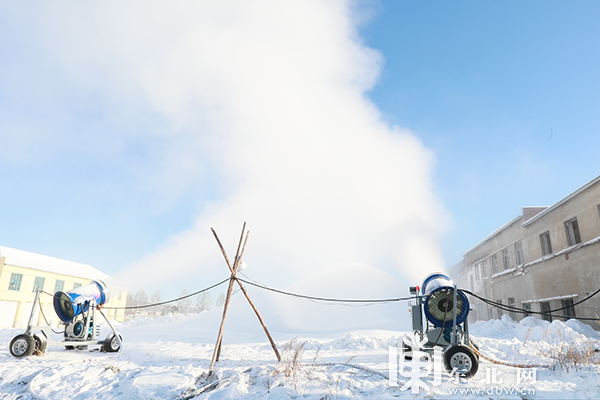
pixel 266 109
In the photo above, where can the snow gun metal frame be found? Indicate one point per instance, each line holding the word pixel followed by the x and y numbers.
pixel 77 310
pixel 446 308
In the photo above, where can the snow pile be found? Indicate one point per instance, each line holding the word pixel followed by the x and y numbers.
pixel 534 329
pixel 531 329
pixel 168 357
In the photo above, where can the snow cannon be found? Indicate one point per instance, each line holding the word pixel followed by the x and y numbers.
pixel 77 310
pixel 445 326
pixel 69 305
pixel 440 304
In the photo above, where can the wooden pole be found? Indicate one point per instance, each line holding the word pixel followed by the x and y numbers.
pixel 220 335
pixel 237 252
pixel 260 319
pixel 262 322
pixel 217 350
pixel 234 271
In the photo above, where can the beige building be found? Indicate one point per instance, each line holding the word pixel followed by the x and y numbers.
pixel 22 273
pixel 547 258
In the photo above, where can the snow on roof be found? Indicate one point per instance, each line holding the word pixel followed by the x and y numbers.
pixel 491 235
pixel 563 201
pixel 20 258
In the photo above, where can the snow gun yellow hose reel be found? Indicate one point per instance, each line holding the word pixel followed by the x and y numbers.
pixel 77 310
pixel 446 310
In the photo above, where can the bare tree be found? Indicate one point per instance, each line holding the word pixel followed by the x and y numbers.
pixel 156 297
pixel 204 301
pixel 131 302
pixel 184 304
pixel 141 297
pixel 220 300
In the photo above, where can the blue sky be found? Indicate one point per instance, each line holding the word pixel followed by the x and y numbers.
pixel 98 167
pixel 507 95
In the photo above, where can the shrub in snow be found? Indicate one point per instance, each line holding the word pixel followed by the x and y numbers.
pixel 573 355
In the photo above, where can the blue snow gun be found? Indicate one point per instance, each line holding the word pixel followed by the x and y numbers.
pixel 70 304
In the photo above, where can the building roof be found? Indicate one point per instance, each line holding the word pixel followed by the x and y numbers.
pixel 541 211
pixel 491 235
pixel 21 258
pixel 563 201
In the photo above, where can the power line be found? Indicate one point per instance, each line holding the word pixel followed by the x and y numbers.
pixel 550 311
pixel 501 306
pixel 509 308
pixel 490 302
pixel 162 302
pixel 302 296
pixel 169 301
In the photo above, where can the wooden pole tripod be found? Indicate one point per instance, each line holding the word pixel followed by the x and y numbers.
pixel 234 271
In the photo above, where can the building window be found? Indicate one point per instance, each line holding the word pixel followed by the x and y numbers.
pixel 527 309
pixel 506 259
pixel 499 309
pixel 519 253
pixel 472 284
pixel 511 303
pixel 495 263
pixel 490 316
pixel 38 284
pixel 15 282
pixel 484 270
pixel 572 229
pixel 545 309
pixel 568 308
pixel 59 286
pixel 598 206
pixel 477 274
pixel 76 285
pixel 546 244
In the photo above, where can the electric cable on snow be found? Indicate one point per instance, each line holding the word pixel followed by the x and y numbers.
pixel 507 364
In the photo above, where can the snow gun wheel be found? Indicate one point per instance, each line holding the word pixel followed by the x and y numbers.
pixel 475 344
pixel 463 359
pixel 407 350
pixel 22 346
pixel 40 344
pixel 111 344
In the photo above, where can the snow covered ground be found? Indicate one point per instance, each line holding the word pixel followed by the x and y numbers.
pixel 168 357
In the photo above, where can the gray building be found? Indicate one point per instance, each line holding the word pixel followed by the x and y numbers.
pixel 545 259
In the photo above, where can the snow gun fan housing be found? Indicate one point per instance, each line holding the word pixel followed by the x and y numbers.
pixel 438 290
pixel 69 305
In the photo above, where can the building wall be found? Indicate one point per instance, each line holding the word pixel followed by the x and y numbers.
pixel 583 206
pixel 481 257
pixel 516 286
pixel 569 272
pixel 15 306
